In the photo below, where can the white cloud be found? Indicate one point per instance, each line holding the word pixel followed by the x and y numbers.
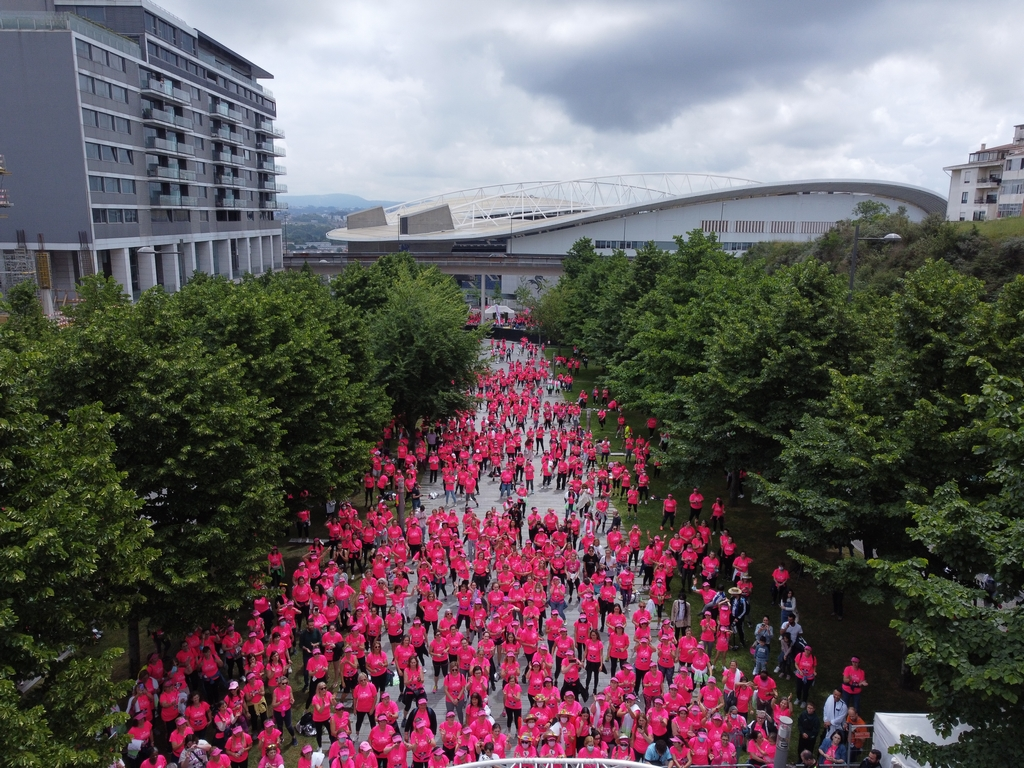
pixel 400 99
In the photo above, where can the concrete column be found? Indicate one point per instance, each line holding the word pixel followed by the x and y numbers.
pixel 222 258
pixel 188 260
pixel 46 301
pixel 267 246
pixel 172 273
pixel 244 265
pixel 120 269
pixel 278 247
pixel 256 255
pixel 147 268
pixel 204 257
pixel 483 293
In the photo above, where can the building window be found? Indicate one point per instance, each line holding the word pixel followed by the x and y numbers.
pixel 816 227
pixel 714 225
pixel 750 227
pixel 967 177
pixel 102 88
pixel 131 216
pixel 963 197
pixel 204 215
pixel 979 216
pixel 109 154
pixel 1007 210
pixel 783 228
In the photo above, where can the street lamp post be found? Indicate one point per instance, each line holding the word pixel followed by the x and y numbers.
pixel 892 237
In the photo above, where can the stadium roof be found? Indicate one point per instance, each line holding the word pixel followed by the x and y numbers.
pixel 529 207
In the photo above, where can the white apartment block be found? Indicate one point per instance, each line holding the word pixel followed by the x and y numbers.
pixel 990 185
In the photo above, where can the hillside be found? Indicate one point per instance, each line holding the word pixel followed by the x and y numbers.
pixel 992 251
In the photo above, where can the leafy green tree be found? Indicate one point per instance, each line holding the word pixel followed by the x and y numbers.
pixel 959 601
pixel 886 435
pixel 665 331
pixel 309 357
pixel 26 323
pixel 75 550
pixel 195 444
pixel 429 360
pixel 766 366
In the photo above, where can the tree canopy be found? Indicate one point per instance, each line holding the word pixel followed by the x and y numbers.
pixel 150 454
pixel 890 423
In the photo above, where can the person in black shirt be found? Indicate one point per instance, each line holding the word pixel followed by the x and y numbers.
pixel 808 726
pixel 590 560
pixel 309 638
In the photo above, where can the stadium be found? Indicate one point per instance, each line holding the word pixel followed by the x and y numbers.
pixel 508 233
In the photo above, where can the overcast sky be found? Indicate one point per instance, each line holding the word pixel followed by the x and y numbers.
pixel 401 99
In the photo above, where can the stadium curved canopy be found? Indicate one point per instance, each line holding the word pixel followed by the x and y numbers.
pixel 528 207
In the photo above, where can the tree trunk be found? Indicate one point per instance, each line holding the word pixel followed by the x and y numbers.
pixel 134 652
pixel 734 487
pixel 401 502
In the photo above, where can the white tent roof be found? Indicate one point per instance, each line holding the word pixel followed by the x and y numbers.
pixel 890 726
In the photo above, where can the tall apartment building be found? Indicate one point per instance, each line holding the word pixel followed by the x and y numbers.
pixel 990 185
pixel 137 146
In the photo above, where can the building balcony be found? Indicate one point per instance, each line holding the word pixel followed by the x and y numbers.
pixel 270 130
pixel 158 116
pixel 166 117
pixel 991 181
pixel 168 145
pixel 270 148
pixel 234 202
pixel 986 200
pixel 273 205
pixel 229 180
pixel 170 172
pixel 269 167
pixel 226 112
pixel 273 186
pixel 166 90
pixel 173 201
pixel 223 134
pixel 227 157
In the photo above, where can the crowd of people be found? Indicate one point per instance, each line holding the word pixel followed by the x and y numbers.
pixel 546 629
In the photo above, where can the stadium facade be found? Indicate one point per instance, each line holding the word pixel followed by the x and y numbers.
pixel 520 231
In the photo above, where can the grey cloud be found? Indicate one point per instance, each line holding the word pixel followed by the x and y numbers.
pixel 692 53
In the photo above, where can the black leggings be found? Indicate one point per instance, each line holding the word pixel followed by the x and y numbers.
pixel 283 721
pixel 593 670
pixel 512 717
pixel 321 726
pixel 360 716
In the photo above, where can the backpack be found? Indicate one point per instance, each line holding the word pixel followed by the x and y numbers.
pixel 306 727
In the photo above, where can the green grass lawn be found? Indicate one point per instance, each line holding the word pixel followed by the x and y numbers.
pixel 863 632
pixel 996 228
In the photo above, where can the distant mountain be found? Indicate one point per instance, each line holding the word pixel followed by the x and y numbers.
pixel 336 200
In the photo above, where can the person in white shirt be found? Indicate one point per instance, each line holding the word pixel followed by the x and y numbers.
pixel 833 714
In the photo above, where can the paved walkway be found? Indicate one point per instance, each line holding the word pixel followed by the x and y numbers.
pixel 487 496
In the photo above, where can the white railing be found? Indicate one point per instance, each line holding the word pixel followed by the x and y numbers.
pixel 566 762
